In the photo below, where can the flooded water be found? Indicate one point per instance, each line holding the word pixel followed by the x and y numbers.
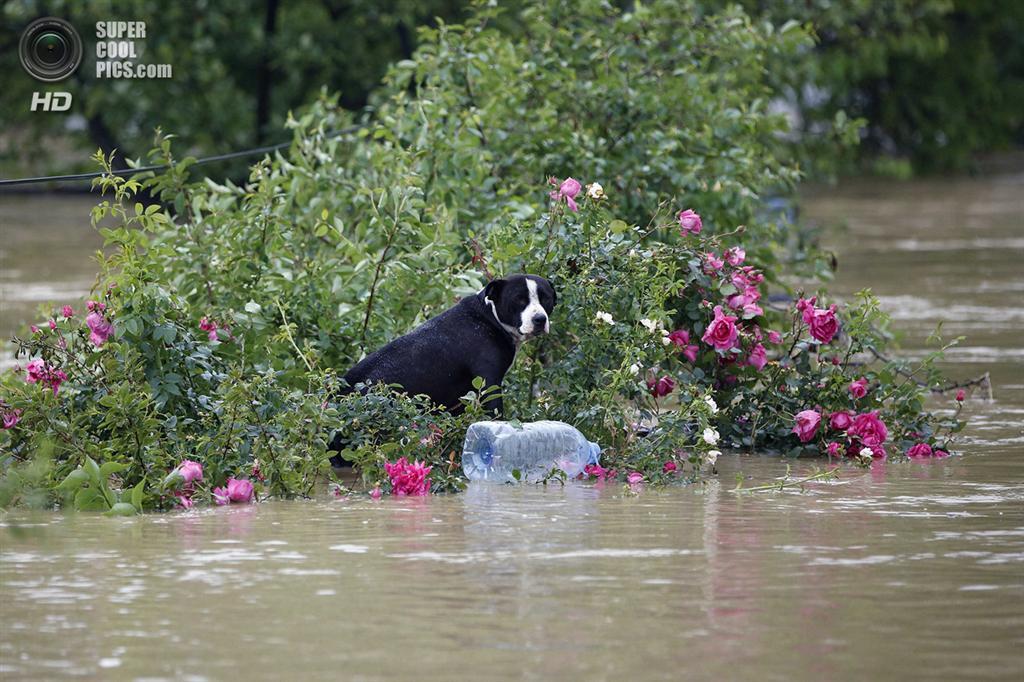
pixel 912 570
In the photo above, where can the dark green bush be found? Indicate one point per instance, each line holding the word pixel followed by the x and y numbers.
pixel 234 309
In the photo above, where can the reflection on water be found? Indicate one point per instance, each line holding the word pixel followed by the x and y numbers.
pixel 907 569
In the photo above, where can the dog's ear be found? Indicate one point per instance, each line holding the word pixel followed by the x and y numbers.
pixel 494 288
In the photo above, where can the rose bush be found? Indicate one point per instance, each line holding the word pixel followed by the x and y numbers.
pixel 224 314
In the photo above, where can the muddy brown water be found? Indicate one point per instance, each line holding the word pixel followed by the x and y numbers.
pixel 908 570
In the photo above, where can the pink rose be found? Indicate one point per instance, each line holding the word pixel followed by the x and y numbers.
pixel 689 222
pixel 669 467
pixel 35 371
pixel 11 418
pixel 721 333
pixel 597 471
pixel 53 324
pixel 840 421
pixel 833 449
pixel 806 425
pixel 408 478
pixel 712 263
pixel 747 302
pixel 240 490
pixel 735 255
pixel 939 453
pixel 858 388
pixel 758 357
pixel 184 501
pixel 661 387
pixel 38 371
pixel 746 277
pixel 823 323
pixel 774 337
pixel 67 311
pixel 376 493
pixel 567 190
pixel 805 306
pixel 220 495
pixel 960 395
pixel 869 428
pixel 920 450
pixel 100 328
pixel 681 338
pixel 210 327
pixel 634 477
pixel 190 471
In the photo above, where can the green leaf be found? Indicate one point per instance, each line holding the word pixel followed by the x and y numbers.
pixel 93 470
pixel 74 480
pixel 165 333
pixel 138 493
pixel 109 468
pixel 90 499
pixel 172 480
pixel 122 509
pixel 132 325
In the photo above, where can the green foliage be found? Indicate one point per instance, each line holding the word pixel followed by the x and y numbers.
pixel 234 81
pixel 88 489
pixel 235 308
pixel 933 82
pixel 927 82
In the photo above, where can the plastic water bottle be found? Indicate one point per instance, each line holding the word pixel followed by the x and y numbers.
pixel 493 450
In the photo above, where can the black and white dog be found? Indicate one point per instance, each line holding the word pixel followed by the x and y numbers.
pixel 477 337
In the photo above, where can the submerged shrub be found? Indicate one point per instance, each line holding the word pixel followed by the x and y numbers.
pixel 225 314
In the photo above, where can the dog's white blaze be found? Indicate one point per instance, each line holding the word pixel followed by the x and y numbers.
pixel 533 308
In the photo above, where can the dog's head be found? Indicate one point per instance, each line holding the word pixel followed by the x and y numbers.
pixel 522 304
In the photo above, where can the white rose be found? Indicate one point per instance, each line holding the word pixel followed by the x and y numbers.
pixel 634 369
pixel 595 190
pixel 711 436
pixel 604 317
pixel 712 405
pixel 652 325
pixel 711 457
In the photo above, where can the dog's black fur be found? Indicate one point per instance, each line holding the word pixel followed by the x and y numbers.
pixel 477 337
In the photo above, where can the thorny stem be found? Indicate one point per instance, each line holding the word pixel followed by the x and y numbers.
pixel 818 475
pixel 380 263
pixel 288 333
pixel 984 380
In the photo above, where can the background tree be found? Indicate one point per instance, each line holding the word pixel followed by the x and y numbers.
pixel 934 81
pixel 239 67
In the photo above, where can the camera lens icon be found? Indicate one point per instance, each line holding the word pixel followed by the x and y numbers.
pixel 50 49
